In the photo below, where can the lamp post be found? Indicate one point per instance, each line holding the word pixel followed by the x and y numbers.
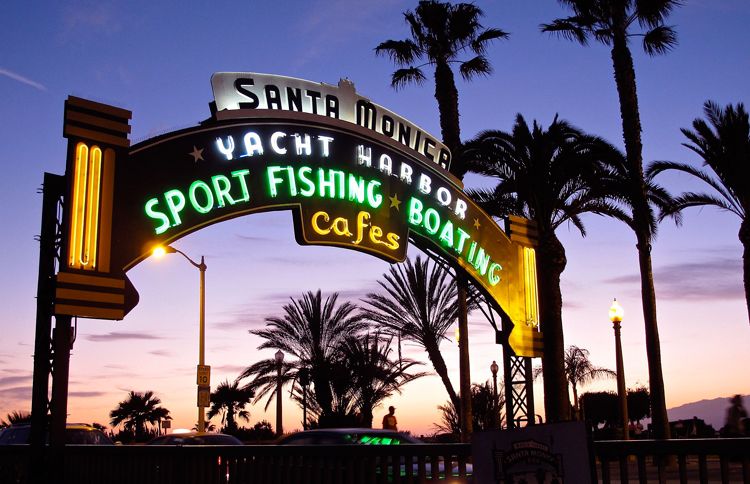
pixel 279 357
pixel 494 368
pixel 203 372
pixel 304 381
pixel 616 313
pixel 496 413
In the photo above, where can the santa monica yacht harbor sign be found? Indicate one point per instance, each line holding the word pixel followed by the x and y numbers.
pixel 352 173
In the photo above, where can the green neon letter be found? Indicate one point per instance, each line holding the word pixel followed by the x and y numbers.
pixel 482 261
pixel 374 199
pixel 221 187
pixel 273 180
pixel 415 211
pixel 494 278
pixel 155 214
pixel 175 202
pixel 431 221
pixel 207 192
pixel 356 189
pixel 462 236
pixel 240 175
pixel 446 235
pixel 304 173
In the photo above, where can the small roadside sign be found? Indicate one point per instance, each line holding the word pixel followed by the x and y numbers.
pixel 204 375
pixel 204 396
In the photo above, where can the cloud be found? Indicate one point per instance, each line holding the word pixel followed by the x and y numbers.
pixel 253 238
pixel 17 393
pixel 120 336
pixel 22 79
pixel 87 394
pixel 160 353
pixel 230 368
pixel 710 278
pixel 89 16
pixel 14 380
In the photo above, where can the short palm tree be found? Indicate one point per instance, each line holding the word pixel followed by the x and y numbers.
pixel 613 23
pixel 138 410
pixel 724 147
pixel 548 176
pixel 373 374
pixel 312 331
pixel 15 417
pixel 229 400
pixel 418 303
pixel 580 371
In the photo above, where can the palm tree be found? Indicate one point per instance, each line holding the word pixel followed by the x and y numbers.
pixel 230 400
pixel 374 376
pixel 312 331
pixel 488 410
pixel 138 410
pixel 15 417
pixel 418 303
pixel 611 22
pixel 724 147
pixel 547 176
pixel 441 33
pixel 580 371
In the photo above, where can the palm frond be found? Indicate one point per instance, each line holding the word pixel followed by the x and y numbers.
pixel 659 40
pixel 402 77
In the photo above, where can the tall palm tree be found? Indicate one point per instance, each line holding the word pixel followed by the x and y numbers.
pixel 548 176
pixel 138 410
pixel 441 34
pixel 373 374
pixel 229 400
pixel 418 303
pixel 724 147
pixel 612 22
pixel 311 330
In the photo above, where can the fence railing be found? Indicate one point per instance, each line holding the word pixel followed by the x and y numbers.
pixel 261 464
pixel 642 461
pixel 680 460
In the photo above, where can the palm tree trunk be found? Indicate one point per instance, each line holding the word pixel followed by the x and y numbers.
pixel 446 95
pixel 552 257
pixel 745 239
pixel 576 410
pixel 463 355
pixel 436 357
pixel 622 62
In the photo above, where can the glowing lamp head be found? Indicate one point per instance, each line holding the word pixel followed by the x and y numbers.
pixel 279 356
pixel 616 312
pixel 494 368
pixel 457 334
pixel 160 250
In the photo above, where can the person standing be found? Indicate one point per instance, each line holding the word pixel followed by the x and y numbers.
pixel 389 421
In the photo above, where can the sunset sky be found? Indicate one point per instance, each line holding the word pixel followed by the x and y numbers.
pixel 156 59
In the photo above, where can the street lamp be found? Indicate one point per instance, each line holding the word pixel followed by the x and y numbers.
pixel 496 413
pixel 494 368
pixel 279 357
pixel 616 313
pixel 203 372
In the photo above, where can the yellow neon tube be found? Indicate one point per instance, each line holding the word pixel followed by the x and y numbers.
pixel 92 208
pixel 80 173
pixel 530 286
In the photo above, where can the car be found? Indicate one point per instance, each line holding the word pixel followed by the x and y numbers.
pixel 195 438
pixel 75 434
pixel 346 436
pixel 365 436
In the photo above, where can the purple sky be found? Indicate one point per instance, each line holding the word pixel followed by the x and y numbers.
pixel 156 59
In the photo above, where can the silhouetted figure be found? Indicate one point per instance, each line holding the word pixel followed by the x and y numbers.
pixel 736 413
pixel 389 421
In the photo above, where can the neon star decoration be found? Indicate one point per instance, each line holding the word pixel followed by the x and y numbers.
pixel 395 202
pixel 197 154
